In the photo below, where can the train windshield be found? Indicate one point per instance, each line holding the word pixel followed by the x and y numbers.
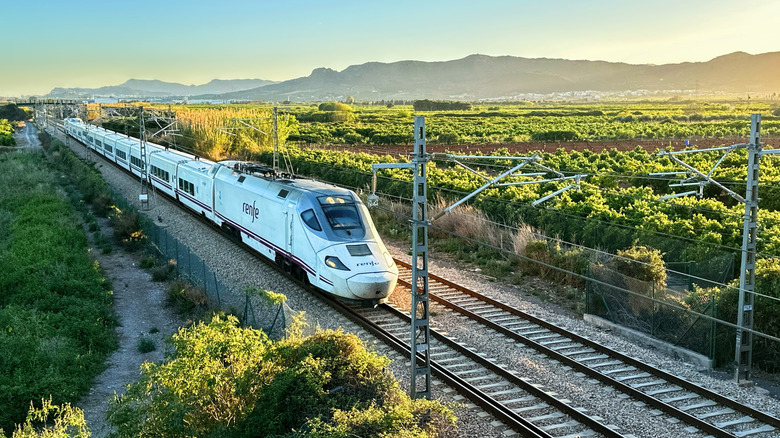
pixel 341 212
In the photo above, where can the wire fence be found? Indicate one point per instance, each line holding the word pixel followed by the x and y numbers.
pixel 251 308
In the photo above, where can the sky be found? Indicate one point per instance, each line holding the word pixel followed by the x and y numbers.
pixel 93 43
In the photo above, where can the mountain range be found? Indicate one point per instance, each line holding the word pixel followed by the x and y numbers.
pixel 155 88
pixel 484 77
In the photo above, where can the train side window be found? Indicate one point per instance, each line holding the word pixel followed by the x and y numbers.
pixel 310 219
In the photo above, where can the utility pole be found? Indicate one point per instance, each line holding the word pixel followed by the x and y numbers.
pixel 144 196
pixel 276 141
pixel 743 351
pixel 419 312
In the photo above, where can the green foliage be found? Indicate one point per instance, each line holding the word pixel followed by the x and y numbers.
pixel 440 105
pixel 335 106
pixel 146 345
pixel 56 324
pixel 52 421
pixel 224 380
pixel 187 299
pixel 148 262
pixel 13 113
pixel 642 263
pixel 127 228
pixel 776 112
pixel 272 298
pixel 574 260
pixel 6 133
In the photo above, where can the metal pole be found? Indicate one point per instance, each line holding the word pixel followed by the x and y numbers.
pixel 743 352
pixel 276 142
pixel 144 196
pixel 420 329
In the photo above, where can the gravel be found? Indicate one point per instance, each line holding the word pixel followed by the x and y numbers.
pixel 236 267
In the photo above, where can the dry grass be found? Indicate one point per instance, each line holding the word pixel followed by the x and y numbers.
pixel 471 223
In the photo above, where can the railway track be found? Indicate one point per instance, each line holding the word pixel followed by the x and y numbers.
pixel 522 405
pixel 705 410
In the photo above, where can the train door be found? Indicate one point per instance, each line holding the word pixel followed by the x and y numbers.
pixel 289 214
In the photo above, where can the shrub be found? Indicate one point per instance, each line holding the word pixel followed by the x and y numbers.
pixel 641 262
pixel 186 299
pixel 334 106
pixel 148 262
pixel 163 272
pixel 52 421
pixel 224 380
pixel 127 228
pixel 146 345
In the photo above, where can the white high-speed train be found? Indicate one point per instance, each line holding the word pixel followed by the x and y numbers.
pixel 318 232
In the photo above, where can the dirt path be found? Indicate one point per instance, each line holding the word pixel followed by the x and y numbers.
pixel 27 137
pixel 139 306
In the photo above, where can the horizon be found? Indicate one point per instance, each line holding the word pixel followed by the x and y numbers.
pixel 89 46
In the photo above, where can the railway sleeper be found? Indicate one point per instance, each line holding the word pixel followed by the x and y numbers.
pixel 718 413
pixel 704 404
pixel 680 398
pixel 531 408
pixel 762 429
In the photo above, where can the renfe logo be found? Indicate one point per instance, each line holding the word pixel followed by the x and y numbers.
pixel 251 210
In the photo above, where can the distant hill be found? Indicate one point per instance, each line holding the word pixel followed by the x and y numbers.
pixel 485 77
pixel 155 88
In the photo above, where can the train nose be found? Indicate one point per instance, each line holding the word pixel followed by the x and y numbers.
pixel 372 286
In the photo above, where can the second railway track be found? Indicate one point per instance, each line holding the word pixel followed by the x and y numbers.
pixel 707 411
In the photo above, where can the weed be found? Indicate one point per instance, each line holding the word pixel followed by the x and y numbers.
pixel 93 226
pixel 162 273
pixel 154 330
pixel 146 345
pixel 186 299
pixel 148 262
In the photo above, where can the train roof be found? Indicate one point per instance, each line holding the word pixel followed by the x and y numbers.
pixel 265 172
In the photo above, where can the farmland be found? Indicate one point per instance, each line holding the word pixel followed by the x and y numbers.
pixel 617 208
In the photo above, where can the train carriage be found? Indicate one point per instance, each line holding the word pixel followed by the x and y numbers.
pixel 162 170
pixel 194 185
pixel 122 152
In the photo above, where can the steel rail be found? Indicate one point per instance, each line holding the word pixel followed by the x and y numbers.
pixel 512 419
pixel 672 379
pixel 514 379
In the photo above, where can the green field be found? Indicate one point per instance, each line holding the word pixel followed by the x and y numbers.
pixel 533 122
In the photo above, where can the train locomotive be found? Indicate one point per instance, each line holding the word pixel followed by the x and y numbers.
pixel 319 233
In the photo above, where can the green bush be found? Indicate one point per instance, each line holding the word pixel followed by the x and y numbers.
pixel 127 228
pixel 146 345
pixel 186 299
pixel 642 263
pixel 52 421
pixel 224 380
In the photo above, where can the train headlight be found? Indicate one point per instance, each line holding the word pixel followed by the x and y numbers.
pixel 335 263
